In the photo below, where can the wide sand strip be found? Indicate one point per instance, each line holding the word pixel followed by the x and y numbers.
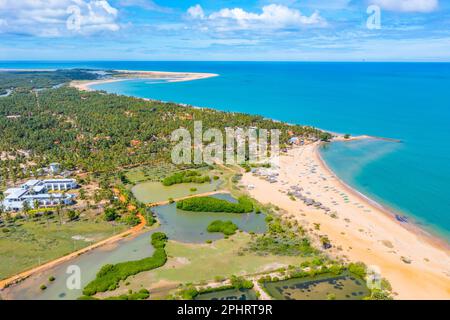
pixel 85 85
pixel 359 229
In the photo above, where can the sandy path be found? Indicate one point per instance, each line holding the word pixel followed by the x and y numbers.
pixel 362 231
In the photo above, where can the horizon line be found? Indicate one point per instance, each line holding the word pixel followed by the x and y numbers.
pixel 299 61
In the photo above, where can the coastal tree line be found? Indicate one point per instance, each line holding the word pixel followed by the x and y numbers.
pixel 99 132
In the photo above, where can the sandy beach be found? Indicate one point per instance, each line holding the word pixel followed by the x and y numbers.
pixel 417 266
pixel 124 75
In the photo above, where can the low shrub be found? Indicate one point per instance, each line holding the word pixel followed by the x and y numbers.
pixel 189 176
pixel 241 283
pixel 210 204
pixel 226 227
pixel 358 268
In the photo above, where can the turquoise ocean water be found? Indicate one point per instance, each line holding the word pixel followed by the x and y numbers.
pixel 405 101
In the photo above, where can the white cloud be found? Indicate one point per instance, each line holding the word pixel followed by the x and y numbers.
pixel 196 12
pixel 48 18
pixel 407 5
pixel 273 16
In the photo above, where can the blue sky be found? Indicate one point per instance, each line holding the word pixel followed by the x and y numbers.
pixel 303 30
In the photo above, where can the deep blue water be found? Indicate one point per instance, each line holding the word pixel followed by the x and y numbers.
pixel 405 101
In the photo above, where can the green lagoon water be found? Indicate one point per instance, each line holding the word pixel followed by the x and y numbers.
pixel 188 227
pixel 155 191
pixel 344 287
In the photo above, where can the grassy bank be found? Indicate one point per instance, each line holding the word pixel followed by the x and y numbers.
pixel 26 244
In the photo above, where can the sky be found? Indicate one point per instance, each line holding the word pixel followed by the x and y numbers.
pixel 286 30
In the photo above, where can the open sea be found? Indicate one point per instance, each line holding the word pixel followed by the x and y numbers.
pixel 405 101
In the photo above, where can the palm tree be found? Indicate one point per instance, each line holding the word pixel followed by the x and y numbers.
pixel 2 210
pixel 26 208
pixel 35 204
pixel 59 213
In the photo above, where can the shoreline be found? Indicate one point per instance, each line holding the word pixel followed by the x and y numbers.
pixel 410 225
pixel 432 238
pixel 359 228
pixel 128 75
pixel 401 250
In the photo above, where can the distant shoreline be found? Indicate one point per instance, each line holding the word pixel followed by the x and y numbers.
pixel 126 75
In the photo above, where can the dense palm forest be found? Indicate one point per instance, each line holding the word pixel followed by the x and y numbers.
pixel 27 80
pixel 95 131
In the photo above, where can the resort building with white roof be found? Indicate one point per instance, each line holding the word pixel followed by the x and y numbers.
pixel 43 193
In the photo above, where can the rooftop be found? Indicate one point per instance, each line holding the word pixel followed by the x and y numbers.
pixel 59 181
pixel 16 193
pixel 31 183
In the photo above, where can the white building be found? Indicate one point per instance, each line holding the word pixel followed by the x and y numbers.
pixel 54 168
pixel 37 192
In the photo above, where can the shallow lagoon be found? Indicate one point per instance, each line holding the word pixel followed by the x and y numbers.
pixel 151 191
pixel 89 263
pixel 344 287
pixel 191 227
pixel 230 294
pixel 177 224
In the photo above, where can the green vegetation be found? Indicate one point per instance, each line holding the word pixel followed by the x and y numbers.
pixel 206 262
pixel 142 294
pixel 282 239
pixel 110 275
pixel 210 204
pixel 125 208
pixel 241 283
pixel 111 214
pixel 154 172
pixel 358 268
pixel 27 80
pixel 189 176
pixel 380 295
pixel 228 228
pixel 190 292
pixel 100 132
pixel 281 245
